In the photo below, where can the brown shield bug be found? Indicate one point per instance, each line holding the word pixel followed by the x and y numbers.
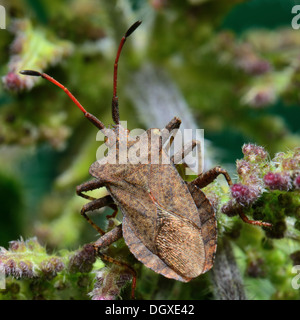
pixel 168 224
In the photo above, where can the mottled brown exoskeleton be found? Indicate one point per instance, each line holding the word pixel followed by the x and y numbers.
pixel 168 224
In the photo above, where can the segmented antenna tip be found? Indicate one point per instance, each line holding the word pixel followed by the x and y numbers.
pixel 31 73
pixel 132 28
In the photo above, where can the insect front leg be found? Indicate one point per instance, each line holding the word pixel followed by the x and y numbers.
pixel 209 176
pixel 206 178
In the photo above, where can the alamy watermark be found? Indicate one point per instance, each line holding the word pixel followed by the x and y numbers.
pixel 296 280
pixel 2 17
pixel 296 19
pixel 2 277
pixel 152 146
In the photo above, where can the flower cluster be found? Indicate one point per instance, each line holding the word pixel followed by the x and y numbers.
pixel 25 52
pixel 79 269
pixel 28 259
pixel 258 177
pixel 251 184
pixel 242 55
pixel 257 173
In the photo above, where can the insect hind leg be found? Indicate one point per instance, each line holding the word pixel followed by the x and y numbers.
pixel 124 265
pixel 106 240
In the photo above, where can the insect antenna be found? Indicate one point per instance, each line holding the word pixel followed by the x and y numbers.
pixel 88 115
pixel 115 103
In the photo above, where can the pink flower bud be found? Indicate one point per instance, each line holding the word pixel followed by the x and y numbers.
pixel 277 181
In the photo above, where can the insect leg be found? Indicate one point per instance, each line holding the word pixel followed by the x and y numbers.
pixel 124 265
pixel 209 176
pixel 167 133
pixel 187 148
pixel 96 203
pixel 105 241
pixel 254 222
pixel 88 186
pixel 109 238
pixel 115 208
pixel 173 124
pixel 206 178
pixel 93 205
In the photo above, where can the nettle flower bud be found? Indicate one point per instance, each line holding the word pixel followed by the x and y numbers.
pixel 277 181
pixel 17 246
pixel 290 164
pixel 50 267
pixel 243 167
pixel 243 194
pixel 26 269
pixel 83 260
pixel 240 192
pixel 19 269
pixel 254 153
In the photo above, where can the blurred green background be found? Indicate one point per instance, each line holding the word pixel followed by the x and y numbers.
pixel 229 67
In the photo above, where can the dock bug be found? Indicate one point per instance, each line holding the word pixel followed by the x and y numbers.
pixel 168 224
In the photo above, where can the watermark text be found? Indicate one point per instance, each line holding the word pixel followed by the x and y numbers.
pixel 2 277
pixel 296 19
pixel 152 146
pixel 2 17
pixel 296 280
